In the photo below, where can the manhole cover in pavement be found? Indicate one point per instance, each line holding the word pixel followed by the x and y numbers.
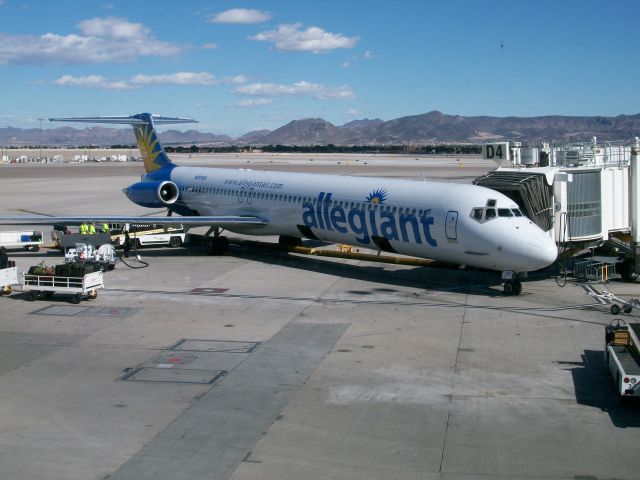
pixel 62 310
pixel 82 311
pixel 221 346
pixel 171 375
pixel 170 360
pixel 111 311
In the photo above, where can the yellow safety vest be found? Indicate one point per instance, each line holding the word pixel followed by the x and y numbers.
pixel 92 229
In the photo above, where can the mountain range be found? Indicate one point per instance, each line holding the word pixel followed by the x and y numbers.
pixel 432 127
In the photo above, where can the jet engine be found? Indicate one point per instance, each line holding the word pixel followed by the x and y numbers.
pixel 153 194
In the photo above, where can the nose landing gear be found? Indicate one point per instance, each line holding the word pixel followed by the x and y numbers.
pixel 512 287
pixel 512 284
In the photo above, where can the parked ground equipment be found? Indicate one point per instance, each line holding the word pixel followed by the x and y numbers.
pixel 623 357
pixel 69 278
pixel 29 240
pixel 617 304
pixel 103 258
pixel 149 235
pixel 8 277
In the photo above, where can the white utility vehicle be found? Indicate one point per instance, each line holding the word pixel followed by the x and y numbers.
pixel 27 239
pixel 152 235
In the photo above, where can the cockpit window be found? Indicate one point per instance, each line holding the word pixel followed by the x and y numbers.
pixel 517 212
pixel 491 203
pixel 491 213
pixel 477 214
pixel 504 212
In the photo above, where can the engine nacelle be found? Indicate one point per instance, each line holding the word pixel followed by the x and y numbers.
pixel 153 194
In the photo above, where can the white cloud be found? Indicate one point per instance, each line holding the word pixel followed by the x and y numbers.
pixel 250 103
pixel 353 112
pixel 314 39
pixel 179 78
pixel 109 39
pixel 210 46
pixel 240 15
pixel 237 80
pixel 91 81
pixel 345 64
pixel 368 55
pixel 113 27
pixel 301 88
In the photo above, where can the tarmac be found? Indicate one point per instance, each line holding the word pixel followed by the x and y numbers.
pixel 271 365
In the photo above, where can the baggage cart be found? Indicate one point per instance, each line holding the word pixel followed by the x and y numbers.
pixel 8 277
pixel 44 286
pixel 623 357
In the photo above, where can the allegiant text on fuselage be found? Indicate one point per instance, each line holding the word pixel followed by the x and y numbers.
pixel 363 224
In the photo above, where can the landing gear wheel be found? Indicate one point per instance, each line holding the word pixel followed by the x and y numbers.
pixel 217 245
pixel 615 309
pixel 627 309
pixel 175 242
pixel 517 287
pixel 628 270
pixel 75 299
pixel 508 287
pixel 512 287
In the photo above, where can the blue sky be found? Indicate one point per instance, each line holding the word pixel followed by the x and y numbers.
pixel 238 66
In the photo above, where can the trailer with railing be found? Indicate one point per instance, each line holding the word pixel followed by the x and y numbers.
pixel 8 278
pixel 44 286
pixel 623 357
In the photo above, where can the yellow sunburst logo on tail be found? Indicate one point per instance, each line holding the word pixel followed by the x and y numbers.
pixel 149 147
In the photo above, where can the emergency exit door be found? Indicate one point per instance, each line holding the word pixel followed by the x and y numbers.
pixel 451 225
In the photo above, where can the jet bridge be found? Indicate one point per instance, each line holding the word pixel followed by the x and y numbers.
pixel 583 193
pixel 529 190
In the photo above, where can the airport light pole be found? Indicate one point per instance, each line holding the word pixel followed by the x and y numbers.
pixel 40 154
pixel 6 139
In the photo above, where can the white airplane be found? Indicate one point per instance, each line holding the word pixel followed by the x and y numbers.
pixel 453 223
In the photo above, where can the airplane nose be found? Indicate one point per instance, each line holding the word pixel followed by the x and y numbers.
pixel 542 252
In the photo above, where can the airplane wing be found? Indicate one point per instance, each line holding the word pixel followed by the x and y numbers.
pixel 215 220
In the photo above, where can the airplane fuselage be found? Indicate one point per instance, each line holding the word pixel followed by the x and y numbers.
pixel 449 222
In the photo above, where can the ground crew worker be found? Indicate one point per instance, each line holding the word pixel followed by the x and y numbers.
pixel 127 244
pixel 105 228
pixel 92 228
pixel 84 228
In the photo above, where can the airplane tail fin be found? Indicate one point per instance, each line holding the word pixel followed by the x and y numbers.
pixel 144 128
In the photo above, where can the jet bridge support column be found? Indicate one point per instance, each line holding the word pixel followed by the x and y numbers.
pixel 635 209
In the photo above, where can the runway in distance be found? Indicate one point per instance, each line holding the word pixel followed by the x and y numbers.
pixel 454 223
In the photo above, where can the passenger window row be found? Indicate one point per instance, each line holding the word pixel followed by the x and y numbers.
pixel 299 199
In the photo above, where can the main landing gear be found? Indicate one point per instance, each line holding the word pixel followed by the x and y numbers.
pixel 512 285
pixel 216 245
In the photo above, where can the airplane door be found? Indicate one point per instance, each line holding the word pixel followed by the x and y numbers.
pixel 451 225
